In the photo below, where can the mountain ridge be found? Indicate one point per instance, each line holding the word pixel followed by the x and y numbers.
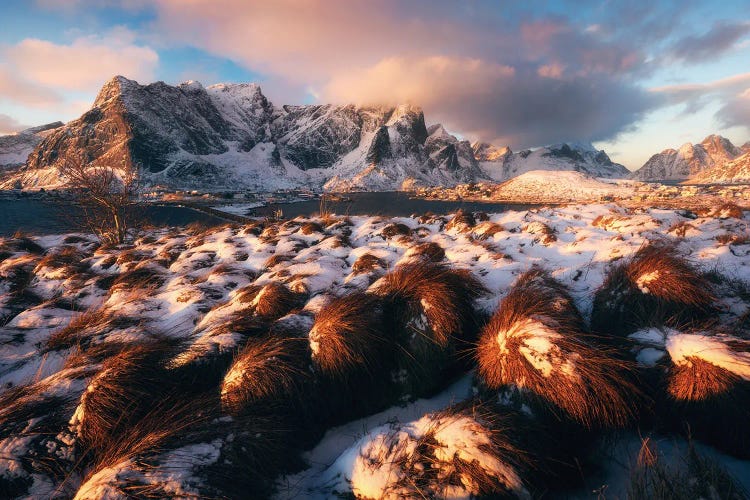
pixel 231 136
pixel 689 160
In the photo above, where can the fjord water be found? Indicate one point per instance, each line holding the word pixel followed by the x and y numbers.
pixel 392 203
pixel 38 216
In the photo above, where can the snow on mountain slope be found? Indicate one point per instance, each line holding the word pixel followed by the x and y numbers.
pixel 15 148
pixel 559 185
pixel 502 164
pixel 735 171
pixel 688 161
pixel 229 136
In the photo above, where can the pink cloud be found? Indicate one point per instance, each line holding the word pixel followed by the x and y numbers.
pixel 82 65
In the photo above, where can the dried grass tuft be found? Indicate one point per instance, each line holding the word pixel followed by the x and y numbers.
pixel 367 263
pixel 270 301
pixel 429 251
pixel 536 342
pixel 461 221
pixel 656 287
pixel 395 229
pixel 268 374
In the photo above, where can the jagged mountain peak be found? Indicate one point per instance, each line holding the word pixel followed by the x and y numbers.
pixel 229 135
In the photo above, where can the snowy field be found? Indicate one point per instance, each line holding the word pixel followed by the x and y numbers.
pixel 129 371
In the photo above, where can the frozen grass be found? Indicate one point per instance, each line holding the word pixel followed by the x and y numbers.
pixel 204 362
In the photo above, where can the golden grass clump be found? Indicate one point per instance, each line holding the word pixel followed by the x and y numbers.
pixel 461 452
pixel 311 227
pixel 144 278
pixel 656 287
pixel 429 251
pixel 486 230
pixel 708 389
pixel 727 210
pixel 434 294
pixel 367 262
pixel 536 343
pixel 67 259
pixel 461 221
pixel 429 307
pixel 348 336
pixel 395 229
pixel 125 390
pixel 268 374
pixel 544 233
pixel 270 301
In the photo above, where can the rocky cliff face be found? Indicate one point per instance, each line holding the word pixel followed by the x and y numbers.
pixel 230 136
pixel 502 164
pixel 688 161
pixel 15 148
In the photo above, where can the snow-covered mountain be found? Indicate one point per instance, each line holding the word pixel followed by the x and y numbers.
pixel 501 164
pixel 688 161
pixel 15 148
pixel 734 171
pixel 232 136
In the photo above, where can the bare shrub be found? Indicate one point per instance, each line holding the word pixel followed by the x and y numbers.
pixel 691 476
pixel 106 195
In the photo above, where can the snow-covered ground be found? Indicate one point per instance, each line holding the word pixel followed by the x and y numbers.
pixel 190 283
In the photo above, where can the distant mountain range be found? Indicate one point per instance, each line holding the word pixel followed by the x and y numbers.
pixel 690 161
pixel 230 136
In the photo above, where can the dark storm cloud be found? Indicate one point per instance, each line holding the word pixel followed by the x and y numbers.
pixel 720 38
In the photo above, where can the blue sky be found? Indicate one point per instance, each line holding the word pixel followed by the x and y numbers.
pixel 631 78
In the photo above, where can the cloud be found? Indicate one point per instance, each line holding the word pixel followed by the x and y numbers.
pixel 498 103
pixel 733 93
pixel 720 38
pixel 82 65
pixel 42 74
pixel 8 125
pixel 519 77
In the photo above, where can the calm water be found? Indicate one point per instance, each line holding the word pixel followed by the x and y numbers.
pixel 36 216
pixel 392 204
